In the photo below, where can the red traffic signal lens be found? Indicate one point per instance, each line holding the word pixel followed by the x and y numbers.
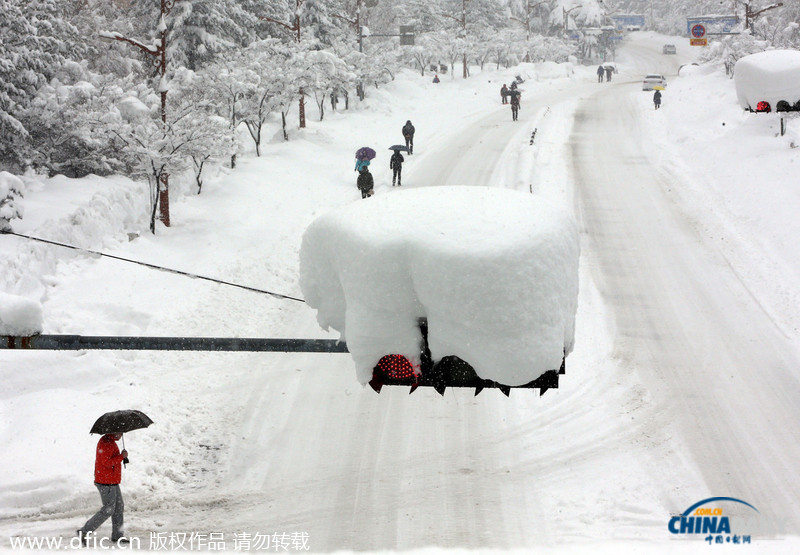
pixel 395 367
pixel 763 106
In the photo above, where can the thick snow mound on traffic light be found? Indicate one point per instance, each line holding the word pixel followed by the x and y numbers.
pixel 769 76
pixel 494 271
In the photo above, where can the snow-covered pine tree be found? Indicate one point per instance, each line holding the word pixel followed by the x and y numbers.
pixel 317 20
pixel 198 30
pixel 35 38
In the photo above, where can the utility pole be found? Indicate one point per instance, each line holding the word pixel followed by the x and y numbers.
pixel 159 52
pixel 294 28
pixel 463 22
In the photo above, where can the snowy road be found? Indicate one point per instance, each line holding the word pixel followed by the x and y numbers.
pixel 703 345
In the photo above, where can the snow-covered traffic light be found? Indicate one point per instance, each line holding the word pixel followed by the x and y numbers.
pixel 763 106
pixel 450 371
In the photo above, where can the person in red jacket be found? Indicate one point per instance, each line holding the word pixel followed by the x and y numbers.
pixel 107 476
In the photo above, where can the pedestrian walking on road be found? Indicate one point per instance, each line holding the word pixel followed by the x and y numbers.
pixel 515 104
pixel 365 183
pixel 600 73
pixel 396 165
pixel 408 135
pixel 504 93
pixel 657 99
pixel 609 71
pixel 107 477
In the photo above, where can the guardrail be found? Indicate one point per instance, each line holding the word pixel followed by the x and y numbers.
pixel 122 343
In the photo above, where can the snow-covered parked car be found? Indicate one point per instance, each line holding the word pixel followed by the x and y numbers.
pixel 447 286
pixel 769 81
pixel 669 49
pixel 653 80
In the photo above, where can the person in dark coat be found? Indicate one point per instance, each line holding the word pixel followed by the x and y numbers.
pixel 107 477
pixel 504 93
pixel 515 104
pixel 365 183
pixel 435 78
pixel 396 165
pixel 600 73
pixel 408 135
pixel 609 71
pixel 657 99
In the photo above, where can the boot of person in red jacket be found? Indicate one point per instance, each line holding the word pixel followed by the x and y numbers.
pixel 107 476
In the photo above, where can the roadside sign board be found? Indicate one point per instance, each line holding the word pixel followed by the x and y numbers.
pixel 698 42
pixel 714 24
pixel 698 31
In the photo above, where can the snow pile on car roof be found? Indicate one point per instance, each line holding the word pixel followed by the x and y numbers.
pixel 494 271
pixel 769 76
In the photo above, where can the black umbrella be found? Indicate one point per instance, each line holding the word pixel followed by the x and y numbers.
pixel 398 147
pixel 120 421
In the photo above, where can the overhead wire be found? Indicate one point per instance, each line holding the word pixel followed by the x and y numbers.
pixel 153 266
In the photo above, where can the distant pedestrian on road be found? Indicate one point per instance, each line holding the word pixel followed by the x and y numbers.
pixel 396 165
pixel 609 71
pixel 107 477
pixel 408 135
pixel 657 99
pixel 365 183
pixel 435 78
pixel 504 93
pixel 515 104
pixel 600 73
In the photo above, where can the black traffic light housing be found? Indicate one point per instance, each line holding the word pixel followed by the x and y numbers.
pixel 450 371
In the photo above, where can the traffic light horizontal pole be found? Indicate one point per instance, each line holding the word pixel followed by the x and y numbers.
pixel 121 343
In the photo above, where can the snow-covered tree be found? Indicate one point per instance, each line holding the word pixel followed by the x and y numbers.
pixel 199 129
pixel 318 20
pixel 232 80
pixel 424 15
pixel 324 72
pixel 198 30
pixel 425 51
pixel 11 188
pixel 262 76
pixel 35 38
pixel 67 138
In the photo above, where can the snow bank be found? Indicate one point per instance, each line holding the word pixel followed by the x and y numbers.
pixel 771 76
pixel 494 271
pixel 19 316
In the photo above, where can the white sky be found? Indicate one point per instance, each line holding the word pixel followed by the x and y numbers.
pixel 293 443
